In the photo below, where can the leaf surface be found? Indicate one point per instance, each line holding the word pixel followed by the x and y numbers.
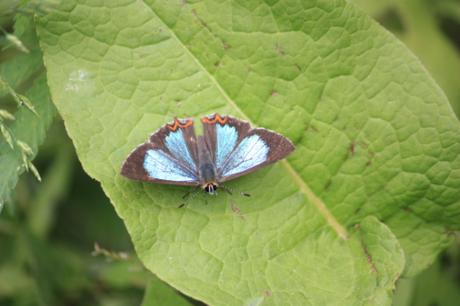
pixel 422 32
pixel 375 169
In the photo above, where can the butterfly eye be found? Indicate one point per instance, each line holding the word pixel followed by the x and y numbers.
pixel 210 188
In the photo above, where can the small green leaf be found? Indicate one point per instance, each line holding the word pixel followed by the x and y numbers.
pixel 24 147
pixel 6 115
pixel 17 42
pixel 6 135
pixel 34 171
pixel 56 182
pixel 18 98
pixel 28 104
pixel 24 100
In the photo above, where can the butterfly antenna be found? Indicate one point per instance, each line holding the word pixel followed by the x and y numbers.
pixel 230 191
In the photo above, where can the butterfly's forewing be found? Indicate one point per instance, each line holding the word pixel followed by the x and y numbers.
pixel 238 149
pixel 170 156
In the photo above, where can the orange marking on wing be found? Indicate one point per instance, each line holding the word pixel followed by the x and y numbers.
pixel 217 118
pixel 177 124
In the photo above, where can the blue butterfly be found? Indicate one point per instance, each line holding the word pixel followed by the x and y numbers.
pixel 228 148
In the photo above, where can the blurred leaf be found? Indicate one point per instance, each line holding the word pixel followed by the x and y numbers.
pixel 449 8
pixel 87 217
pixel 403 292
pixel 122 274
pixel 56 269
pixel 55 184
pixel 377 164
pixel 27 127
pixel 374 8
pixel 13 281
pixel 438 285
pixel 160 294
pixel 20 70
pixel 434 287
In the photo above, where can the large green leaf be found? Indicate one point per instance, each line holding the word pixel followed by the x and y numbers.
pixel 377 160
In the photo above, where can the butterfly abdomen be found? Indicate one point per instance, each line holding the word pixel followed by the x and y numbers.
pixel 207 173
pixel 207 170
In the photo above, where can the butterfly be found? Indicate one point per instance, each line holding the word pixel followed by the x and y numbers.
pixel 228 148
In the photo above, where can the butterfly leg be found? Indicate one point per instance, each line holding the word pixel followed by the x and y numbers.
pixel 230 191
pixel 188 195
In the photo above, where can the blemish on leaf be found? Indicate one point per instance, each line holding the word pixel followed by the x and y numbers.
pixel 78 79
pixel 371 157
pixel 237 210
pixel 279 49
pixel 352 148
pixel 369 259
pixel 201 21
pixel 328 184
pixel 255 301
pixel 178 102
pixel 366 252
pixel 274 93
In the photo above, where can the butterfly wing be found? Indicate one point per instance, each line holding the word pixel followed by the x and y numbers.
pixel 170 156
pixel 238 149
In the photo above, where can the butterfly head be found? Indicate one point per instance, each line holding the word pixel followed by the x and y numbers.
pixel 210 188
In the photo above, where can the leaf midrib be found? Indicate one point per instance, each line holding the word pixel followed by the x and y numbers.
pixel 304 188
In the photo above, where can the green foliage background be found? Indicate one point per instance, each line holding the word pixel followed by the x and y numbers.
pixel 48 229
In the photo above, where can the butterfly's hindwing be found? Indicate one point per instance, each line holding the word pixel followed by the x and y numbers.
pixel 170 157
pixel 238 149
pixel 251 152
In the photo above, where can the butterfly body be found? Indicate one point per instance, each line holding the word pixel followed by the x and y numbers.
pixel 228 148
pixel 206 167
